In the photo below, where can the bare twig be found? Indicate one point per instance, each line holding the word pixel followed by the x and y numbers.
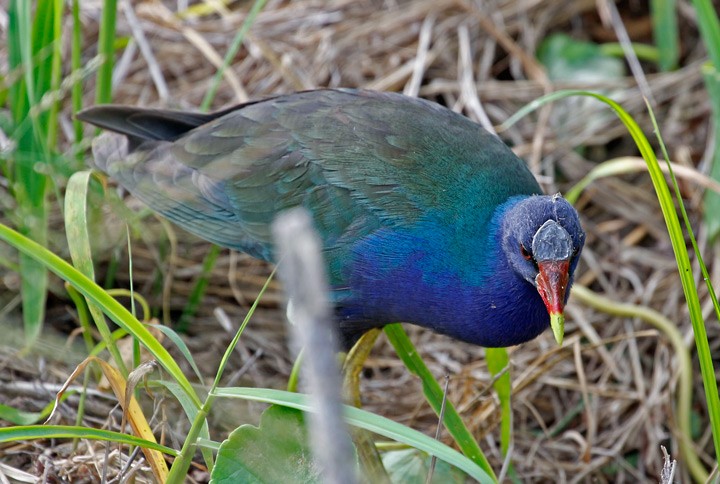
pixel 302 269
pixel 667 475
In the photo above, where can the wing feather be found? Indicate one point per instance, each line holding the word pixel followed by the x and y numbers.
pixel 358 160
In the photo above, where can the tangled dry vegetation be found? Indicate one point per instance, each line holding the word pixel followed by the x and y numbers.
pixel 600 407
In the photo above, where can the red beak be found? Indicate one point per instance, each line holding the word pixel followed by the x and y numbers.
pixel 552 283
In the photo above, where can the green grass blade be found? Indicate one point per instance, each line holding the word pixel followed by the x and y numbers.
pixel 368 421
pixel 96 294
pixel 711 75
pixel 20 56
pixel 181 346
pixel 82 316
pixel 199 288
pixel 499 362
pixel 232 52
pixel 43 432
pixel 21 417
pixel 709 25
pixel 434 395
pixel 106 49
pixel 182 463
pixel 55 72
pixel 684 392
pixel 76 229
pixel 665 32
pixel 686 219
pixel 677 240
pixel 644 52
pixel 34 294
pixel 203 429
pixel 76 64
pixel 691 458
pixel 31 51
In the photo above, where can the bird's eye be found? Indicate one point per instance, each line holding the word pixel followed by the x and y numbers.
pixel 525 253
pixel 576 251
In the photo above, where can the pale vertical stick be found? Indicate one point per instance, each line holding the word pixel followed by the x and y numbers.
pixel 302 271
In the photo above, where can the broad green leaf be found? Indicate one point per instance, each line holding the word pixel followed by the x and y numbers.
pixel 19 417
pixel 368 421
pixel 568 59
pixel 276 451
pixel 410 466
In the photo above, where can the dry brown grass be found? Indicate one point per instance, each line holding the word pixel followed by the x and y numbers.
pixel 596 410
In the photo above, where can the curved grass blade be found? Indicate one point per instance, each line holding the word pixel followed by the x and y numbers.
pixel 96 294
pixel 31 432
pixel 682 258
pixel 76 230
pixel 434 395
pixel 368 421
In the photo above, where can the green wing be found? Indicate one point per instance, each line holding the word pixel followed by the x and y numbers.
pixel 358 160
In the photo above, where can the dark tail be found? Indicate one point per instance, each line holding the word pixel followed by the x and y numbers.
pixel 141 125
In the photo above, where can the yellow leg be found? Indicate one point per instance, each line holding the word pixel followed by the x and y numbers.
pixel 370 461
pixel 353 365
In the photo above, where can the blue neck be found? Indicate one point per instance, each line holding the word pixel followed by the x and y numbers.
pixel 471 293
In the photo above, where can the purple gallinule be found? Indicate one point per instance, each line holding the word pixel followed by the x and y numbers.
pixel 425 217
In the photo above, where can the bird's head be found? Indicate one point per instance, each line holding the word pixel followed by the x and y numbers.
pixel 542 239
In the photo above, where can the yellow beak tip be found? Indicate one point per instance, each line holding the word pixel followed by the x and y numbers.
pixel 557 323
